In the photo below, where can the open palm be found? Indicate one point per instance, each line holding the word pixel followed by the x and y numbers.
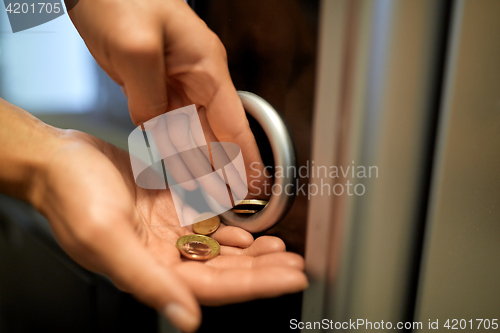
pixel 109 225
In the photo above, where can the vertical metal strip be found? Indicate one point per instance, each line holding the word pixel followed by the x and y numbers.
pixel 326 128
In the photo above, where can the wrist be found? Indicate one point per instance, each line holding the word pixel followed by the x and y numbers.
pixel 27 147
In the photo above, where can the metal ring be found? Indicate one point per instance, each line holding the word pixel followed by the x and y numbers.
pixel 284 157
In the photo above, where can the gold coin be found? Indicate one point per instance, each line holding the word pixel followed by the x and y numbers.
pixel 255 202
pixel 250 206
pixel 196 250
pixel 198 247
pixel 244 211
pixel 208 224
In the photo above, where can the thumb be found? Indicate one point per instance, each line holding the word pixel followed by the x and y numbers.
pixel 228 121
pixel 160 288
pixel 117 252
pixel 141 68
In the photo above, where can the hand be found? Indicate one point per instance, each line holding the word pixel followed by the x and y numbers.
pixel 165 57
pixel 110 226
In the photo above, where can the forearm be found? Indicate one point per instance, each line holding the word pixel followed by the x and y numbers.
pixel 26 144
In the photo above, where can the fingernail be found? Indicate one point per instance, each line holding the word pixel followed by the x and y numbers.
pixel 179 316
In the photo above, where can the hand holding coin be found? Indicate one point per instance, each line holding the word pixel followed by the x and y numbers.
pixel 129 234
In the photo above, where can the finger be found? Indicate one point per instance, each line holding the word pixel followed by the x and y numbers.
pixel 115 250
pixel 213 286
pixel 262 245
pixel 207 82
pixel 181 129
pixel 140 275
pixel 142 68
pixel 288 259
pixel 228 121
pixel 201 137
pixel 173 162
pixel 233 236
pixel 189 214
pixel 235 174
pixel 138 61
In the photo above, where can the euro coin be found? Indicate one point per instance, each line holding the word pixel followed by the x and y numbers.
pixel 198 247
pixel 206 223
pixel 250 206
pixel 245 211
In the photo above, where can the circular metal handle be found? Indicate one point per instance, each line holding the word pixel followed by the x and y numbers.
pixel 284 157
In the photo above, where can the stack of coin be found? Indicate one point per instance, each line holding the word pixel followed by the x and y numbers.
pixel 200 246
pixel 250 206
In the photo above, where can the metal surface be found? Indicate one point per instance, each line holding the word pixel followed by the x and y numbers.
pixel 284 157
pixel 461 268
pixel 375 104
